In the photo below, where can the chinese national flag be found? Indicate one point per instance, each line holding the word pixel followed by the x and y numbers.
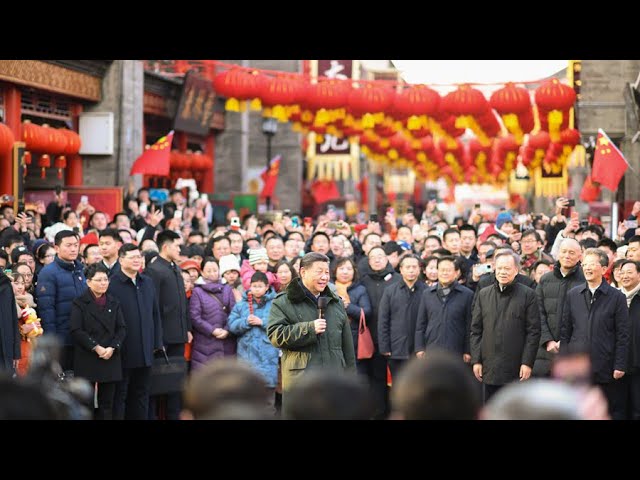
pixel 270 177
pixel 609 164
pixel 324 191
pixel 590 192
pixel 155 159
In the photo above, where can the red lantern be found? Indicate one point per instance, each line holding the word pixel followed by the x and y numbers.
pixel 370 102
pixel 34 137
pixel 465 101
pixel 44 162
pixel 60 163
pixel 280 91
pixel 415 100
pixel 73 143
pixel 237 85
pixel 27 161
pixel 553 95
pixel 6 139
pixel 570 136
pixel 328 94
pixel 511 99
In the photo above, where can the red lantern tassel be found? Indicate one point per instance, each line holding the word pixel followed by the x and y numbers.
pixel 44 162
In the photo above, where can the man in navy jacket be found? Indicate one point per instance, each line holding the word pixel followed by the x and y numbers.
pixel 596 317
pixel 58 284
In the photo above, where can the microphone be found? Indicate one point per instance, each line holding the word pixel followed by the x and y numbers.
pixel 322 305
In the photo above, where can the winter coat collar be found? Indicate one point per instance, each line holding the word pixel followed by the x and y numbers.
pixel 211 287
pixel 454 286
pixel 604 287
pixel 558 273
pixel 296 293
pixel 71 266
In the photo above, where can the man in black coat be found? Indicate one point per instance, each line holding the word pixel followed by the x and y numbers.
pixel 505 329
pixel 141 313
pixel 444 317
pixel 596 317
pixel 630 280
pixel 552 292
pixel 379 277
pixel 9 329
pixel 172 299
pixel 398 313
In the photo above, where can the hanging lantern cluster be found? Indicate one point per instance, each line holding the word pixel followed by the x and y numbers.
pixel 189 165
pixel 45 142
pixel 413 126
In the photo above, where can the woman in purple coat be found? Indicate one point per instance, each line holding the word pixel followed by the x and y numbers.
pixel 209 307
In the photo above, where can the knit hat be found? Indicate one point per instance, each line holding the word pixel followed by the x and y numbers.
pixel 89 238
pixel 189 264
pixel 229 263
pixel 502 218
pixel 257 254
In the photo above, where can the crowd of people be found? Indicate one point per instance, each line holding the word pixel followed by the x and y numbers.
pixel 456 311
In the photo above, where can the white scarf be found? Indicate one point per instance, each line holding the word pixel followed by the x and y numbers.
pixel 630 294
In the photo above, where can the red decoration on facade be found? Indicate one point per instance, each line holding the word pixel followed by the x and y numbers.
pixel 6 139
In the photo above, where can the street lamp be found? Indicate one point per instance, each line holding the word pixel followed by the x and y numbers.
pixel 269 128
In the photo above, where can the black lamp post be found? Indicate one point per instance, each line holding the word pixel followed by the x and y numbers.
pixel 269 128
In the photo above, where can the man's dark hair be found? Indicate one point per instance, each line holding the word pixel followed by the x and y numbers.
pixel 4 256
pixel 311 258
pixel 260 277
pixel 410 256
pixel 326 395
pixel 634 239
pixel 196 233
pixel 607 242
pixel 531 232
pixel 315 235
pixel 115 217
pixel 449 258
pixel 435 237
pixel 442 252
pixel 166 236
pixel 17 252
pixel 633 262
pixel 94 269
pixel 85 253
pixel 587 243
pixel 364 240
pixel 450 231
pixel 438 387
pixel 111 232
pixel 127 247
pixel 10 236
pixel 542 261
pixel 595 229
pixel 61 235
pixel 274 237
pixel 470 228
pixel 392 247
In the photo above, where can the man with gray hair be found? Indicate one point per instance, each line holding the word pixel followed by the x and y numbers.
pixel 309 323
pixel 552 292
pixel 596 316
pixel 505 329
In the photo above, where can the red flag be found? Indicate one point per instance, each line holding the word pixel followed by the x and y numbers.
pixel 270 177
pixel 155 159
pixel 324 191
pixel 590 192
pixel 609 164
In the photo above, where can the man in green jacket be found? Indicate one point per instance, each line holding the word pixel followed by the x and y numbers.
pixel 306 340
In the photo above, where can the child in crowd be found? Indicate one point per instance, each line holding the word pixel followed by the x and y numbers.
pixel 230 273
pixel 258 262
pixel 248 321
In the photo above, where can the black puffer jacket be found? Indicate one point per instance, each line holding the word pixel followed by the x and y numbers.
pixel 375 283
pixel 552 293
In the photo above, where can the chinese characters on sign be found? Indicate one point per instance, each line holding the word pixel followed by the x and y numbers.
pixel 340 69
pixel 195 109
